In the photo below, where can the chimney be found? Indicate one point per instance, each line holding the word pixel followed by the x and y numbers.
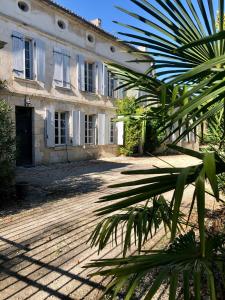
pixel 97 22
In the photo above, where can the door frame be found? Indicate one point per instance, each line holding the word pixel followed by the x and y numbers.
pixel 32 130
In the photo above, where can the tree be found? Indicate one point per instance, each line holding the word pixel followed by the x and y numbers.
pixel 188 86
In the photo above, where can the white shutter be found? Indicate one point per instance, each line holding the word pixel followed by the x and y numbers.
pixel 82 128
pixel 80 73
pixel 99 85
pixel 18 45
pixel 120 132
pixel 95 78
pixel 66 70
pixel 78 128
pixel 50 128
pixel 105 81
pixel 40 60
pixel 101 129
pixel 107 130
pixel 58 72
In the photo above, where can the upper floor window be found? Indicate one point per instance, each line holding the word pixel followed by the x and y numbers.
pixel 23 6
pixel 89 72
pixel 26 65
pixel 61 24
pixel 60 128
pixel 28 59
pixel 111 84
pixel 112 49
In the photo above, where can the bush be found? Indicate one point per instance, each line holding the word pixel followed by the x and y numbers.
pixel 132 125
pixel 7 153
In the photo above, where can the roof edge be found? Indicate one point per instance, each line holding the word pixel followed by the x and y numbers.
pixel 71 13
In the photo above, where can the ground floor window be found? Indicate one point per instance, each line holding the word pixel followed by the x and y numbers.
pixel 112 131
pixel 60 128
pixel 90 128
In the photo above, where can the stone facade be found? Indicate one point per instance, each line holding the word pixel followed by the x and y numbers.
pixel 51 27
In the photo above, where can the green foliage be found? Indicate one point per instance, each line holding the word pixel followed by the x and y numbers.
pixel 132 124
pixel 182 259
pixel 186 256
pixel 186 39
pixel 7 153
pixel 139 223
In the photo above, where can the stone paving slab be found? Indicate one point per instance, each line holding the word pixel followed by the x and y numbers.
pixel 43 244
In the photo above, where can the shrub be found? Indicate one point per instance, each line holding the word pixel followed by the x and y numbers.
pixel 7 153
pixel 132 125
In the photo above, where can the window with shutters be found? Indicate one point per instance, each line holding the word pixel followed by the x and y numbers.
pixel 112 131
pixel 90 129
pixel 60 128
pixel 62 69
pixel 89 73
pixel 111 84
pixel 28 57
pixel 29 61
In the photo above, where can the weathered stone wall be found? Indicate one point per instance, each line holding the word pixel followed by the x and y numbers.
pixel 41 23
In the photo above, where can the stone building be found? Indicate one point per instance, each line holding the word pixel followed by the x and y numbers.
pixel 61 92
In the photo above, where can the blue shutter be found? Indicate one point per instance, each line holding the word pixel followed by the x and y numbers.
pixel 18 45
pixel 40 60
pixel 66 70
pixel 80 73
pixel 100 83
pixel 58 70
pixel 105 81
pixel 95 78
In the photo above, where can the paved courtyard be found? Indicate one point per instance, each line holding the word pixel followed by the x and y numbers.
pixel 43 242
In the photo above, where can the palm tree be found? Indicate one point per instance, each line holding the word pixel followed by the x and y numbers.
pixel 186 40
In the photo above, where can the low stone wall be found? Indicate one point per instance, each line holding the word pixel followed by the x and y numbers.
pixel 67 154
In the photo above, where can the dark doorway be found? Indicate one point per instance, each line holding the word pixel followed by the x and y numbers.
pixel 24 136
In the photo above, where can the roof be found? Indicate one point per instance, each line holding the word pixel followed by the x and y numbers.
pixel 89 24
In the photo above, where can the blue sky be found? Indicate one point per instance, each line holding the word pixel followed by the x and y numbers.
pixel 103 9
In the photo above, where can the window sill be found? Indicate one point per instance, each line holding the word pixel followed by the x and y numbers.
pixel 28 81
pixel 91 93
pixel 62 147
pixel 63 88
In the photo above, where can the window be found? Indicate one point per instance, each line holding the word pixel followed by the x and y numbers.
pixel 28 59
pixel 112 49
pixel 60 128
pixel 112 131
pixel 89 77
pixel 61 24
pixel 90 38
pixel 90 129
pixel 23 6
pixel 111 84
